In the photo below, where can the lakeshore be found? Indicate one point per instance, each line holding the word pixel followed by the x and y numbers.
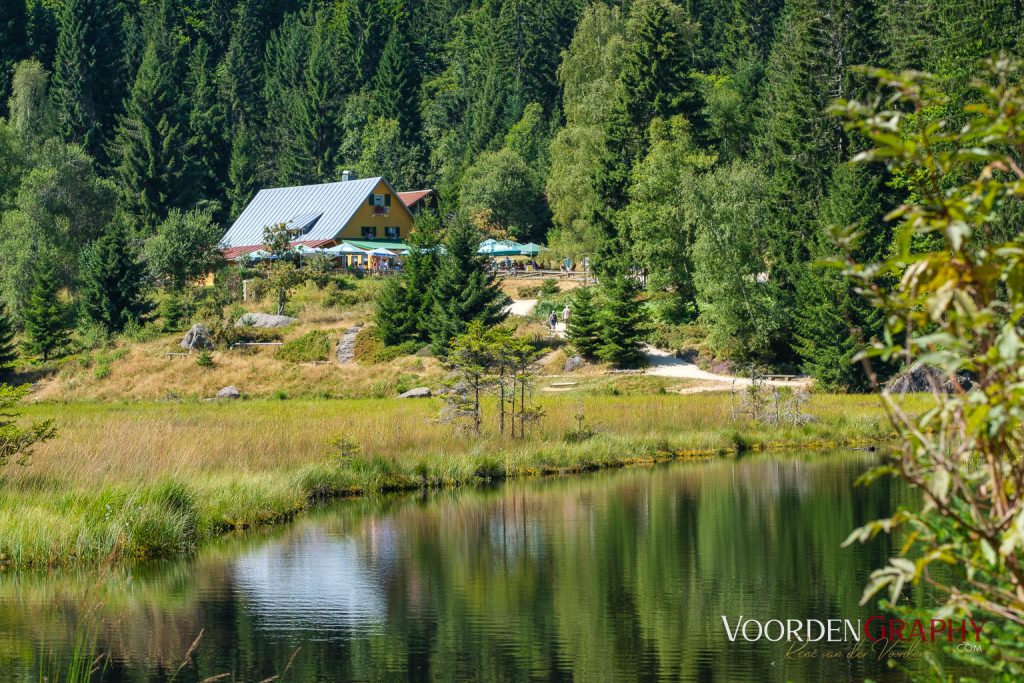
pixel 156 479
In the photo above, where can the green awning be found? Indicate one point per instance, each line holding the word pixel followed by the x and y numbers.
pixel 370 245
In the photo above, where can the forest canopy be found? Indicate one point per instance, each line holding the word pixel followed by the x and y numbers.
pixel 688 141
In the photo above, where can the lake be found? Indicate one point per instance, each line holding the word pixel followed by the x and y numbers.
pixel 620 575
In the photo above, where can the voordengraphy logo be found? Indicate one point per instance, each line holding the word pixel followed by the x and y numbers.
pixel 873 630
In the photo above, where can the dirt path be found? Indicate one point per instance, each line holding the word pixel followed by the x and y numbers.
pixel 664 364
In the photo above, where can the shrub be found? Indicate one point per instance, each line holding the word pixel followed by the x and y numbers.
pixel 204 359
pixel 369 349
pixel 549 288
pixel 102 371
pixel 312 346
pixel 528 292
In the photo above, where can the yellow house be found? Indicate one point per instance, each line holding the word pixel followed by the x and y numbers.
pixel 366 210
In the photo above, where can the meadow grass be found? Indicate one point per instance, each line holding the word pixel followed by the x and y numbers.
pixel 151 479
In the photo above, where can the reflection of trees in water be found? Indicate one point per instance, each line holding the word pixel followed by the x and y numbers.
pixel 595 577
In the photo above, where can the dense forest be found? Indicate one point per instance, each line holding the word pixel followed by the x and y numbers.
pixel 689 141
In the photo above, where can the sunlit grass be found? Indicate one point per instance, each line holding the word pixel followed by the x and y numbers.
pixel 155 479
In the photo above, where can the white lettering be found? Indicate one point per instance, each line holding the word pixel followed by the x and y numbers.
pixel 731 635
pixel 782 630
pixel 760 630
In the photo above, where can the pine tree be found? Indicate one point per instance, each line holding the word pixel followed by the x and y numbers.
pixel 624 323
pixel 798 143
pixel 827 305
pixel 88 71
pixel 584 329
pixel 153 165
pixel 13 29
pixel 315 116
pixel 395 319
pixel 242 170
pixel 396 84
pixel 8 351
pixel 242 69
pixel 44 316
pixel 112 289
pixel 208 145
pixel 655 82
pixel 420 271
pixel 465 289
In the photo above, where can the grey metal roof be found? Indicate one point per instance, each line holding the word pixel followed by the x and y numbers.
pixel 334 203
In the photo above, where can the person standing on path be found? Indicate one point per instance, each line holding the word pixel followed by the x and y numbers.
pixel 566 313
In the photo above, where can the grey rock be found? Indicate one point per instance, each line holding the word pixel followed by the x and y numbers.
pixel 921 378
pixel 574 363
pixel 347 345
pixel 229 392
pixel 197 338
pixel 419 392
pixel 265 320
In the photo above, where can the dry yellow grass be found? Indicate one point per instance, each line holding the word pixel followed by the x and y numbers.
pixel 139 442
pixel 156 478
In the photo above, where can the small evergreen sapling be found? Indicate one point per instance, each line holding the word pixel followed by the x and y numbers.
pixel 584 328
pixel 45 316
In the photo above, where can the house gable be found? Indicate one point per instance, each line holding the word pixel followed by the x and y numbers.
pixel 326 212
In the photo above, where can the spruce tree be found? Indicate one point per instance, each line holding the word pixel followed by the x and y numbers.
pixel 242 69
pixel 112 281
pixel 624 323
pixel 8 351
pixel 314 111
pixel 395 89
pixel 655 82
pixel 396 321
pixel 242 170
pixel 208 145
pixel 13 27
pixel 584 329
pixel 465 289
pixel 831 320
pixel 420 271
pixel 153 166
pixel 44 316
pixel 88 71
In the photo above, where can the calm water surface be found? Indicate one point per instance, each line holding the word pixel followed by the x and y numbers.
pixel 613 576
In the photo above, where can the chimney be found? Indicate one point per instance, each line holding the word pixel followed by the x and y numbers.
pixel 348 175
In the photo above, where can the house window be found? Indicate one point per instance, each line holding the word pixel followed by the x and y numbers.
pixel 369 232
pixel 381 204
pixel 393 233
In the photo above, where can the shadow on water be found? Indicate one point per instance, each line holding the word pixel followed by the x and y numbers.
pixel 607 576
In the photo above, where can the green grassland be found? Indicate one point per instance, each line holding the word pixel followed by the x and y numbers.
pixel 149 479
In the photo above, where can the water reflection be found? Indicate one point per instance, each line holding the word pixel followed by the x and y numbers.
pixel 614 576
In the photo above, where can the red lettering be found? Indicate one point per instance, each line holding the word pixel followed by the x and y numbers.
pixel 867 629
pixel 896 632
pixel 942 626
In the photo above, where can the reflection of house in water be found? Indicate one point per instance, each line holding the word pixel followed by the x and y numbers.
pixel 319 581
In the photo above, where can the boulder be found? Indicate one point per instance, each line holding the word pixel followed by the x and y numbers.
pixel 574 363
pixel 265 320
pixel 920 378
pixel 197 338
pixel 229 392
pixel 419 392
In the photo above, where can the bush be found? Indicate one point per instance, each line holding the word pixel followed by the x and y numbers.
pixel 312 346
pixel 528 292
pixel 369 349
pixel 549 288
pixel 204 359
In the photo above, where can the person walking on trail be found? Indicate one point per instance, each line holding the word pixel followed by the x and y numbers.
pixel 566 313
pixel 553 321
